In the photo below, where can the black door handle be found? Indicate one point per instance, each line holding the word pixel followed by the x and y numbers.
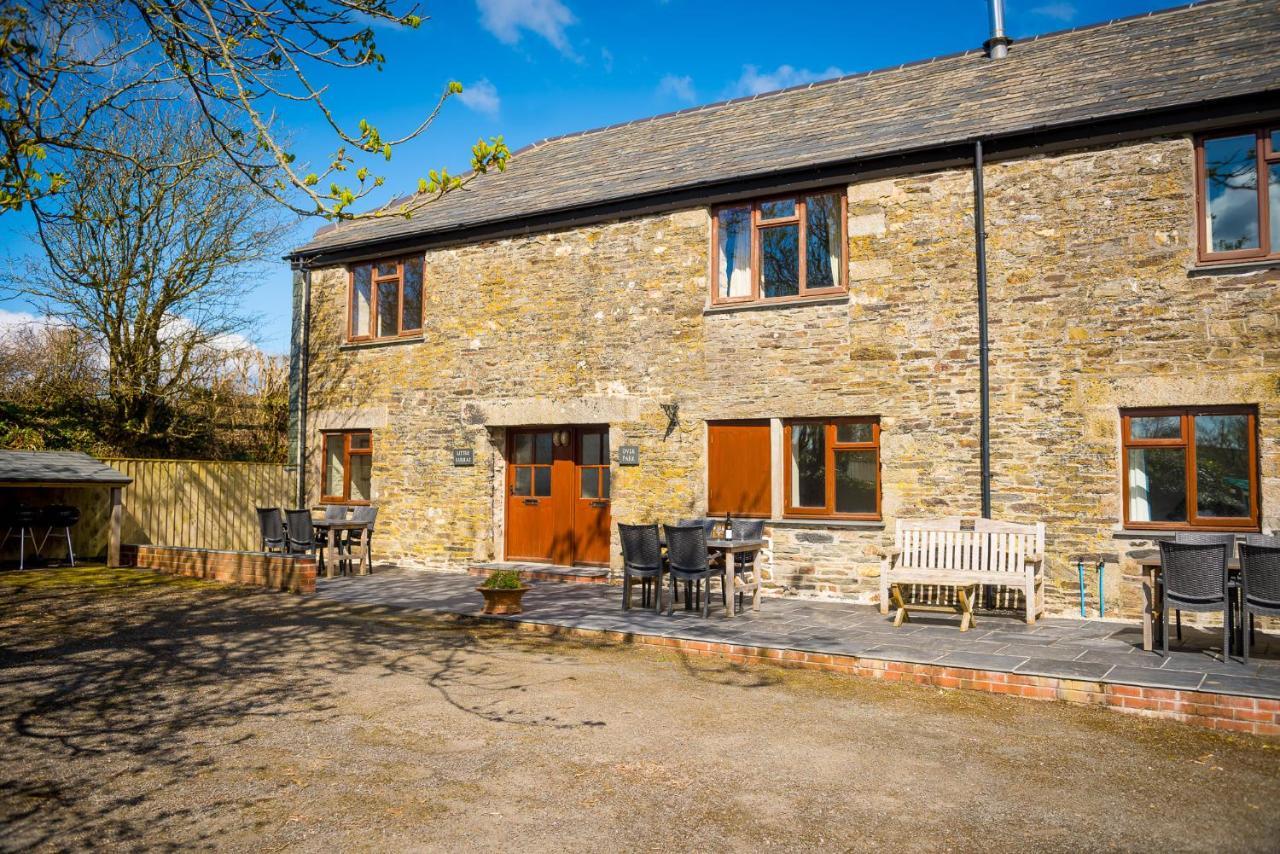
pixel 532 501
pixel 599 503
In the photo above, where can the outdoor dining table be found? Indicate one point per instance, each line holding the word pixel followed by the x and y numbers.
pixel 729 548
pixel 1151 569
pixel 334 527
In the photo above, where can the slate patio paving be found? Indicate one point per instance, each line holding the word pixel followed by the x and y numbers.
pixel 1095 650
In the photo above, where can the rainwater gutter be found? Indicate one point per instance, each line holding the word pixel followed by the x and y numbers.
pixel 304 370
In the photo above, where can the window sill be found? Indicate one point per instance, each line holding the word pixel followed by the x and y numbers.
pixel 1170 533
pixel 1228 268
pixel 791 302
pixel 843 524
pixel 380 342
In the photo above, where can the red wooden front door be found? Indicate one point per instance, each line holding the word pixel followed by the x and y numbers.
pixel 557 498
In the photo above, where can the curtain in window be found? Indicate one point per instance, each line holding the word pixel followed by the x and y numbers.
pixel 1139 488
pixel 734 253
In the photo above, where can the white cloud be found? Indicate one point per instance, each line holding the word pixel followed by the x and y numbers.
pixel 12 321
pixel 606 57
pixel 680 88
pixel 547 18
pixel 1064 12
pixel 482 97
pixel 754 82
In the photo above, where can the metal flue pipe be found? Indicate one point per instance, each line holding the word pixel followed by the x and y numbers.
pixel 997 45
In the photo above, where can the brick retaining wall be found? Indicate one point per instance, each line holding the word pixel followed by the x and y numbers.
pixel 1227 712
pixel 288 573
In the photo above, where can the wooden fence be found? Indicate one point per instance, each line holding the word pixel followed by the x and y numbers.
pixel 191 503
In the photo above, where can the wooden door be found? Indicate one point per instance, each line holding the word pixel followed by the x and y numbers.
pixel 558 495
pixel 530 512
pixel 591 504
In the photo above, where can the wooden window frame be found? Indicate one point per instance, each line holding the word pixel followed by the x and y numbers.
pixel 1266 156
pixel 831 446
pixel 758 223
pixel 1186 442
pixel 768 462
pixel 374 281
pixel 603 468
pixel 347 453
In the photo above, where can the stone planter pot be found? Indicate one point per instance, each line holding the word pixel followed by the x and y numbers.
pixel 499 601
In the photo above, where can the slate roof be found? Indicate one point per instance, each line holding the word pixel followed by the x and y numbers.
pixel 70 467
pixel 1169 59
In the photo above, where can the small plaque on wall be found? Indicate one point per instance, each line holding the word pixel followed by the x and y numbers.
pixel 628 455
pixel 464 457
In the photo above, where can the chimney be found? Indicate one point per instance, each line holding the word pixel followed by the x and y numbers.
pixel 997 46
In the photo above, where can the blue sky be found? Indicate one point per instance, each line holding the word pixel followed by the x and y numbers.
pixel 537 68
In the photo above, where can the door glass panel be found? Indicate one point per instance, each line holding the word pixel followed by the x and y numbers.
pixel 542 480
pixel 590 483
pixel 1222 466
pixel 1231 193
pixel 808 464
pixel 388 308
pixel 604 482
pixel 778 209
pixel 361 299
pixel 361 476
pixel 333 464
pixel 1157 485
pixel 780 261
pixel 590 449
pixel 542 449
pixel 855 481
pixel 853 432
pixel 822 239
pixel 523 481
pixel 733 233
pixel 411 315
pixel 1155 427
pixel 523 449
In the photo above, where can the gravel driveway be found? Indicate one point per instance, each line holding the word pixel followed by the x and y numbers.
pixel 146 712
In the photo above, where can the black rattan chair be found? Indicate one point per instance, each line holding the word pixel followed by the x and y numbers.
pixel 642 561
pixel 300 535
pixel 746 529
pixel 271 528
pixel 1259 583
pixel 336 512
pixel 687 561
pixel 1196 537
pixel 1195 579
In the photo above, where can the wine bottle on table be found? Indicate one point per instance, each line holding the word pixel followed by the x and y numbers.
pixel 728 526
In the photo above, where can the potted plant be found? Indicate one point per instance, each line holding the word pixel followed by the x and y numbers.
pixel 502 592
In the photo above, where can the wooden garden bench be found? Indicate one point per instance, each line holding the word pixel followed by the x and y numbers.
pixel 963 554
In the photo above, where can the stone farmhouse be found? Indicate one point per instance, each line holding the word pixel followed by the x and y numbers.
pixel 1037 281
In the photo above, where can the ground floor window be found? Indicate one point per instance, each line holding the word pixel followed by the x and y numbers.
pixel 833 467
pixel 348 466
pixel 1190 468
pixel 739 476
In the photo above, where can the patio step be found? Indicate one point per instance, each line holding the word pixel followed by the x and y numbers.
pixel 546 572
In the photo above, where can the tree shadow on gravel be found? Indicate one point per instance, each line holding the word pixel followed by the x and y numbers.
pixel 111 694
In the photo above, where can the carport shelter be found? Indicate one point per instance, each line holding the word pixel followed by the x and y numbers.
pixel 30 470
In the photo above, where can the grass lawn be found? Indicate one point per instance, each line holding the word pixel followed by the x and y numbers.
pixel 141 711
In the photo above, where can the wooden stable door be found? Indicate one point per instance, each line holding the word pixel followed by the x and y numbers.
pixel 558 495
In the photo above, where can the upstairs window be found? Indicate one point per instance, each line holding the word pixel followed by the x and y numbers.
pixel 385 299
pixel 1238 199
pixel 348 467
pixel 1190 468
pixel 779 249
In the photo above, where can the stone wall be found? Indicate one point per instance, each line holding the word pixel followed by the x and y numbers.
pixel 1092 309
